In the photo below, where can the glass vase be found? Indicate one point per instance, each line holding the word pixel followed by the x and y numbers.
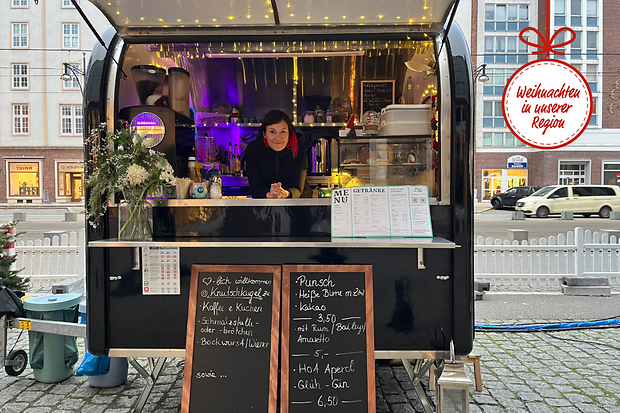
pixel 135 220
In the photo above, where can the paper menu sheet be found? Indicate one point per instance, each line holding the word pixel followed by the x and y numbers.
pixel 161 274
pixel 381 211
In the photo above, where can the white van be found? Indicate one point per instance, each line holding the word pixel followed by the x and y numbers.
pixel 580 199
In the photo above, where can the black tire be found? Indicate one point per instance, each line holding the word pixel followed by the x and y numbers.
pixel 604 212
pixel 586 215
pixel 22 358
pixel 542 212
pixel 496 204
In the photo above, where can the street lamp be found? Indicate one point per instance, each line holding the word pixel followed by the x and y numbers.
pixel 70 72
pixel 481 74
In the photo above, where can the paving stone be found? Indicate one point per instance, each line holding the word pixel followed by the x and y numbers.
pixel 529 396
pixel 124 410
pixel 49 400
pixel 29 396
pixel 93 408
pixel 71 403
pixel 608 401
pixel 589 408
pixel 13 407
pixel 382 406
pixel 578 398
pixel 61 389
pixel 402 408
pixel 124 401
pixel 103 398
pixel 38 410
pixel 395 398
pixel 538 408
pixel 558 402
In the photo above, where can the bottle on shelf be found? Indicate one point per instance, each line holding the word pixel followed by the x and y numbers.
pixel 231 158
pixel 328 114
pixel 237 161
pixel 191 169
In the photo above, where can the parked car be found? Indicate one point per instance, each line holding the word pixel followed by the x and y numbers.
pixel 511 196
pixel 580 199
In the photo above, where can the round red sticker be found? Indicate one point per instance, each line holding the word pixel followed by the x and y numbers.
pixel 547 104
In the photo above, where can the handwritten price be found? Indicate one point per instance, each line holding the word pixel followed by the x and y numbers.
pixel 329 401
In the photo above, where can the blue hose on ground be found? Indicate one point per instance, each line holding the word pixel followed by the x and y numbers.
pixel 579 325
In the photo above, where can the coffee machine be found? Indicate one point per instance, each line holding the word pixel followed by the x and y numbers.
pixel 323 156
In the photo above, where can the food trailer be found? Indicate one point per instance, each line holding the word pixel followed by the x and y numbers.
pixel 221 66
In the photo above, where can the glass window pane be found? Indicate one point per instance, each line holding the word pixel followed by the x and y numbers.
pixel 498 139
pixel 489 26
pixel 523 25
pixel 559 37
pixel 511 58
pixel 512 12
pixel 487 122
pixel 500 58
pixel 486 139
pixel 519 143
pixel 498 122
pixel 592 21
pixel 592 8
pixel 559 20
pixel 575 7
pixel 512 27
pixel 488 90
pixel 488 44
pixel 489 12
pixel 487 109
pixel 523 46
pixel 592 40
pixel 500 12
pixel 498 109
pixel 560 6
pixel 500 44
pixel 575 21
pixel 576 44
pixel 511 45
pixel 500 26
pixel 510 139
pixel 523 12
pixel 489 59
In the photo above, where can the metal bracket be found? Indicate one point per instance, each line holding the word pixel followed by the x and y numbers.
pixel 416 374
pixel 151 377
pixel 421 265
pixel 51 327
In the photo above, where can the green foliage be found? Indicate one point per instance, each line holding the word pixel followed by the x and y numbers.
pixel 123 163
pixel 10 278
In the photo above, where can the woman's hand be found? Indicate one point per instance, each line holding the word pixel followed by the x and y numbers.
pixel 277 192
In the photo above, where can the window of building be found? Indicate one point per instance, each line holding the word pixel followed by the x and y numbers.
pixel 506 17
pixel 592 45
pixel 20 35
pixel 70 35
pixel 592 13
pixel 19 3
pixel 19 76
pixel 611 172
pixel 74 83
pixel 492 114
pixel 573 173
pixel 500 139
pixel 575 47
pixel 70 179
pixel 71 120
pixel 21 119
pixel 591 77
pixel 560 13
pixel 593 119
pixel 575 12
pixel 67 3
pixel 23 179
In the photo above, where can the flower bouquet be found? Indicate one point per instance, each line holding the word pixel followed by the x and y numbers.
pixel 124 163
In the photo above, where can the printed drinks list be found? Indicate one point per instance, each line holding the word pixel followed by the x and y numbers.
pixel 328 342
pixel 233 346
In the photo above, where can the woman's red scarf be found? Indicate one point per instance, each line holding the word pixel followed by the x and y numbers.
pixel 292 144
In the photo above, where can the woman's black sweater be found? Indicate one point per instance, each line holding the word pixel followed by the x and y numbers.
pixel 264 167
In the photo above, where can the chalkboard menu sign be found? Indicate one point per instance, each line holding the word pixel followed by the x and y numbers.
pixel 327 339
pixel 376 94
pixel 231 353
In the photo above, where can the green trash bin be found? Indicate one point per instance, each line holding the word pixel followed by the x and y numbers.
pixel 52 356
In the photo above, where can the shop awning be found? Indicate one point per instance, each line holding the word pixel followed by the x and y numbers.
pixel 142 14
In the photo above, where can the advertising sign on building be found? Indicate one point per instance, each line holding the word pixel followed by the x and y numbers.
pixel 517 162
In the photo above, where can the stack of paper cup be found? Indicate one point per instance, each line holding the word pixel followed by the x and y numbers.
pixel 183 185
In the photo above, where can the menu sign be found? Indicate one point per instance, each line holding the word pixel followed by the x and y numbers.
pixel 381 211
pixel 231 353
pixel 327 339
pixel 377 94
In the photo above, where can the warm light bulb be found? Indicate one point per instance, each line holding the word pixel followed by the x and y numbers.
pixel 380 16
pixel 397 17
pixel 344 17
pixel 362 17
pixel 214 20
pixel 248 16
pixel 160 19
pixel 141 18
pixel 118 12
pixel 292 15
pixel 196 21
pixel 179 20
pixel 231 17
pixel 326 18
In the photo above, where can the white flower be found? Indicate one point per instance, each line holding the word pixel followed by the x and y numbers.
pixel 136 174
pixel 121 148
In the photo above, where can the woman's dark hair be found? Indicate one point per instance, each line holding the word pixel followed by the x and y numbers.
pixel 271 118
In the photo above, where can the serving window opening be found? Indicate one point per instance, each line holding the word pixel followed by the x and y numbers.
pixel 221 91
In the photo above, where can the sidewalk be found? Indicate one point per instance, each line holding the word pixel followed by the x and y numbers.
pixel 521 372
pixel 39 212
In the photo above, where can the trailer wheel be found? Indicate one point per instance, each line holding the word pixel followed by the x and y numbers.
pixel 21 357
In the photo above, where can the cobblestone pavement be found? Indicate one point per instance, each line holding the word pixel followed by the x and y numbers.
pixel 564 372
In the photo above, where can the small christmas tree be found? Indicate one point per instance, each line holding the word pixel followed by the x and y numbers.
pixel 10 278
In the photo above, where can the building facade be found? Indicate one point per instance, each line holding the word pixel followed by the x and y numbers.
pixel 594 158
pixel 41 124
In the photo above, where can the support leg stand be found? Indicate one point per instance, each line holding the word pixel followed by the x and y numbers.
pixel 155 367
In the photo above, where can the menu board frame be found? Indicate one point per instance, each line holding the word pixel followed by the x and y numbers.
pixel 286 313
pixel 276 271
pixel 384 81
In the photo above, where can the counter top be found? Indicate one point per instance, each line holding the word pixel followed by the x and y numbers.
pixel 242 202
pixel 266 242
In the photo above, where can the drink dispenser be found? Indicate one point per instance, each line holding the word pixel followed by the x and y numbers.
pixel 178 83
pixel 147 79
pixel 323 155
